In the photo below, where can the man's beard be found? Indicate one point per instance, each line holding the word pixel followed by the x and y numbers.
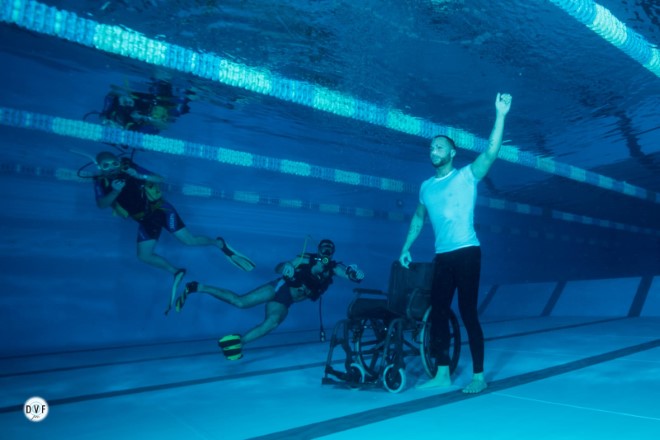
pixel 442 162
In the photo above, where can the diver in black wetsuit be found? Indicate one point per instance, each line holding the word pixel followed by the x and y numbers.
pixel 306 277
pixel 147 113
pixel 132 191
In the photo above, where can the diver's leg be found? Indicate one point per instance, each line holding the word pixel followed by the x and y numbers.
pixel 234 257
pixel 275 314
pixel 146 254
pixel 186 237
pixel 257 296
pixel 167 217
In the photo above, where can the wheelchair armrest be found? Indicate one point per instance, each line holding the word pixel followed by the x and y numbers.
pixel 361 290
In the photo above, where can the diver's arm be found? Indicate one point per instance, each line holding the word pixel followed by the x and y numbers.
pixel 288 268
pixel 155 178
pixel 108 199
pixel 351 272
pixel 143 174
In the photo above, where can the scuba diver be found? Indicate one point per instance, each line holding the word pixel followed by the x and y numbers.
pixel 307 276
pixel 133 191
pixel 149 112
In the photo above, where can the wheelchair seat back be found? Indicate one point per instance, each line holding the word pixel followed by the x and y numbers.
pixel 410 289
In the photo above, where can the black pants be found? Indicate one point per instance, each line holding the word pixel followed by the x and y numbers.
pixel 457 270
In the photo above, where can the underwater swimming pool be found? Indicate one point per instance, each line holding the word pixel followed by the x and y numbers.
pixel 276 125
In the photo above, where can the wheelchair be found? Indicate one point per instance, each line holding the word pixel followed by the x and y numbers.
pixel 382 329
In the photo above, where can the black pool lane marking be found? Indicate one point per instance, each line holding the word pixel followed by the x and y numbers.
pixel 215 352
pixel 193 382
pixel 357 420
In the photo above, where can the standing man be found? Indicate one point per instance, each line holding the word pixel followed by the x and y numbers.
pixel 449 198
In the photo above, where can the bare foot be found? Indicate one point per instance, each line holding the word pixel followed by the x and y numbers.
pixel 477 385
pixel 441 380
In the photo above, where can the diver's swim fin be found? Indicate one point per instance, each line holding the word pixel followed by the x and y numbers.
pixel 178 276
pixel 231 347
pixel 181 300
pixel 236 258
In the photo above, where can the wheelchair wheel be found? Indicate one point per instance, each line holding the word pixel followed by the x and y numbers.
pixel 369 344
pixel 428 360
pixel 394 379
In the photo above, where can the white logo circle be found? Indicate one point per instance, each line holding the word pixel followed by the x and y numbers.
pixel 35 409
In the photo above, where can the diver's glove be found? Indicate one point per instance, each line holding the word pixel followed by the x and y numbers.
pixel 118 184
pixel 288 270
pixel 354 273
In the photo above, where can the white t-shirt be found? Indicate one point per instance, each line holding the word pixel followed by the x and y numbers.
pixel 450 202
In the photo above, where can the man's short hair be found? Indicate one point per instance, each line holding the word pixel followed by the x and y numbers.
pixel 447 138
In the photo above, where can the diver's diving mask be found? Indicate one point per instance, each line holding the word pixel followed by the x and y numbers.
pixel 326 250
pixel 106 165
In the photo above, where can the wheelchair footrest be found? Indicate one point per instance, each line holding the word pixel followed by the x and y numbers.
pixel 329 381
pixel 341 375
